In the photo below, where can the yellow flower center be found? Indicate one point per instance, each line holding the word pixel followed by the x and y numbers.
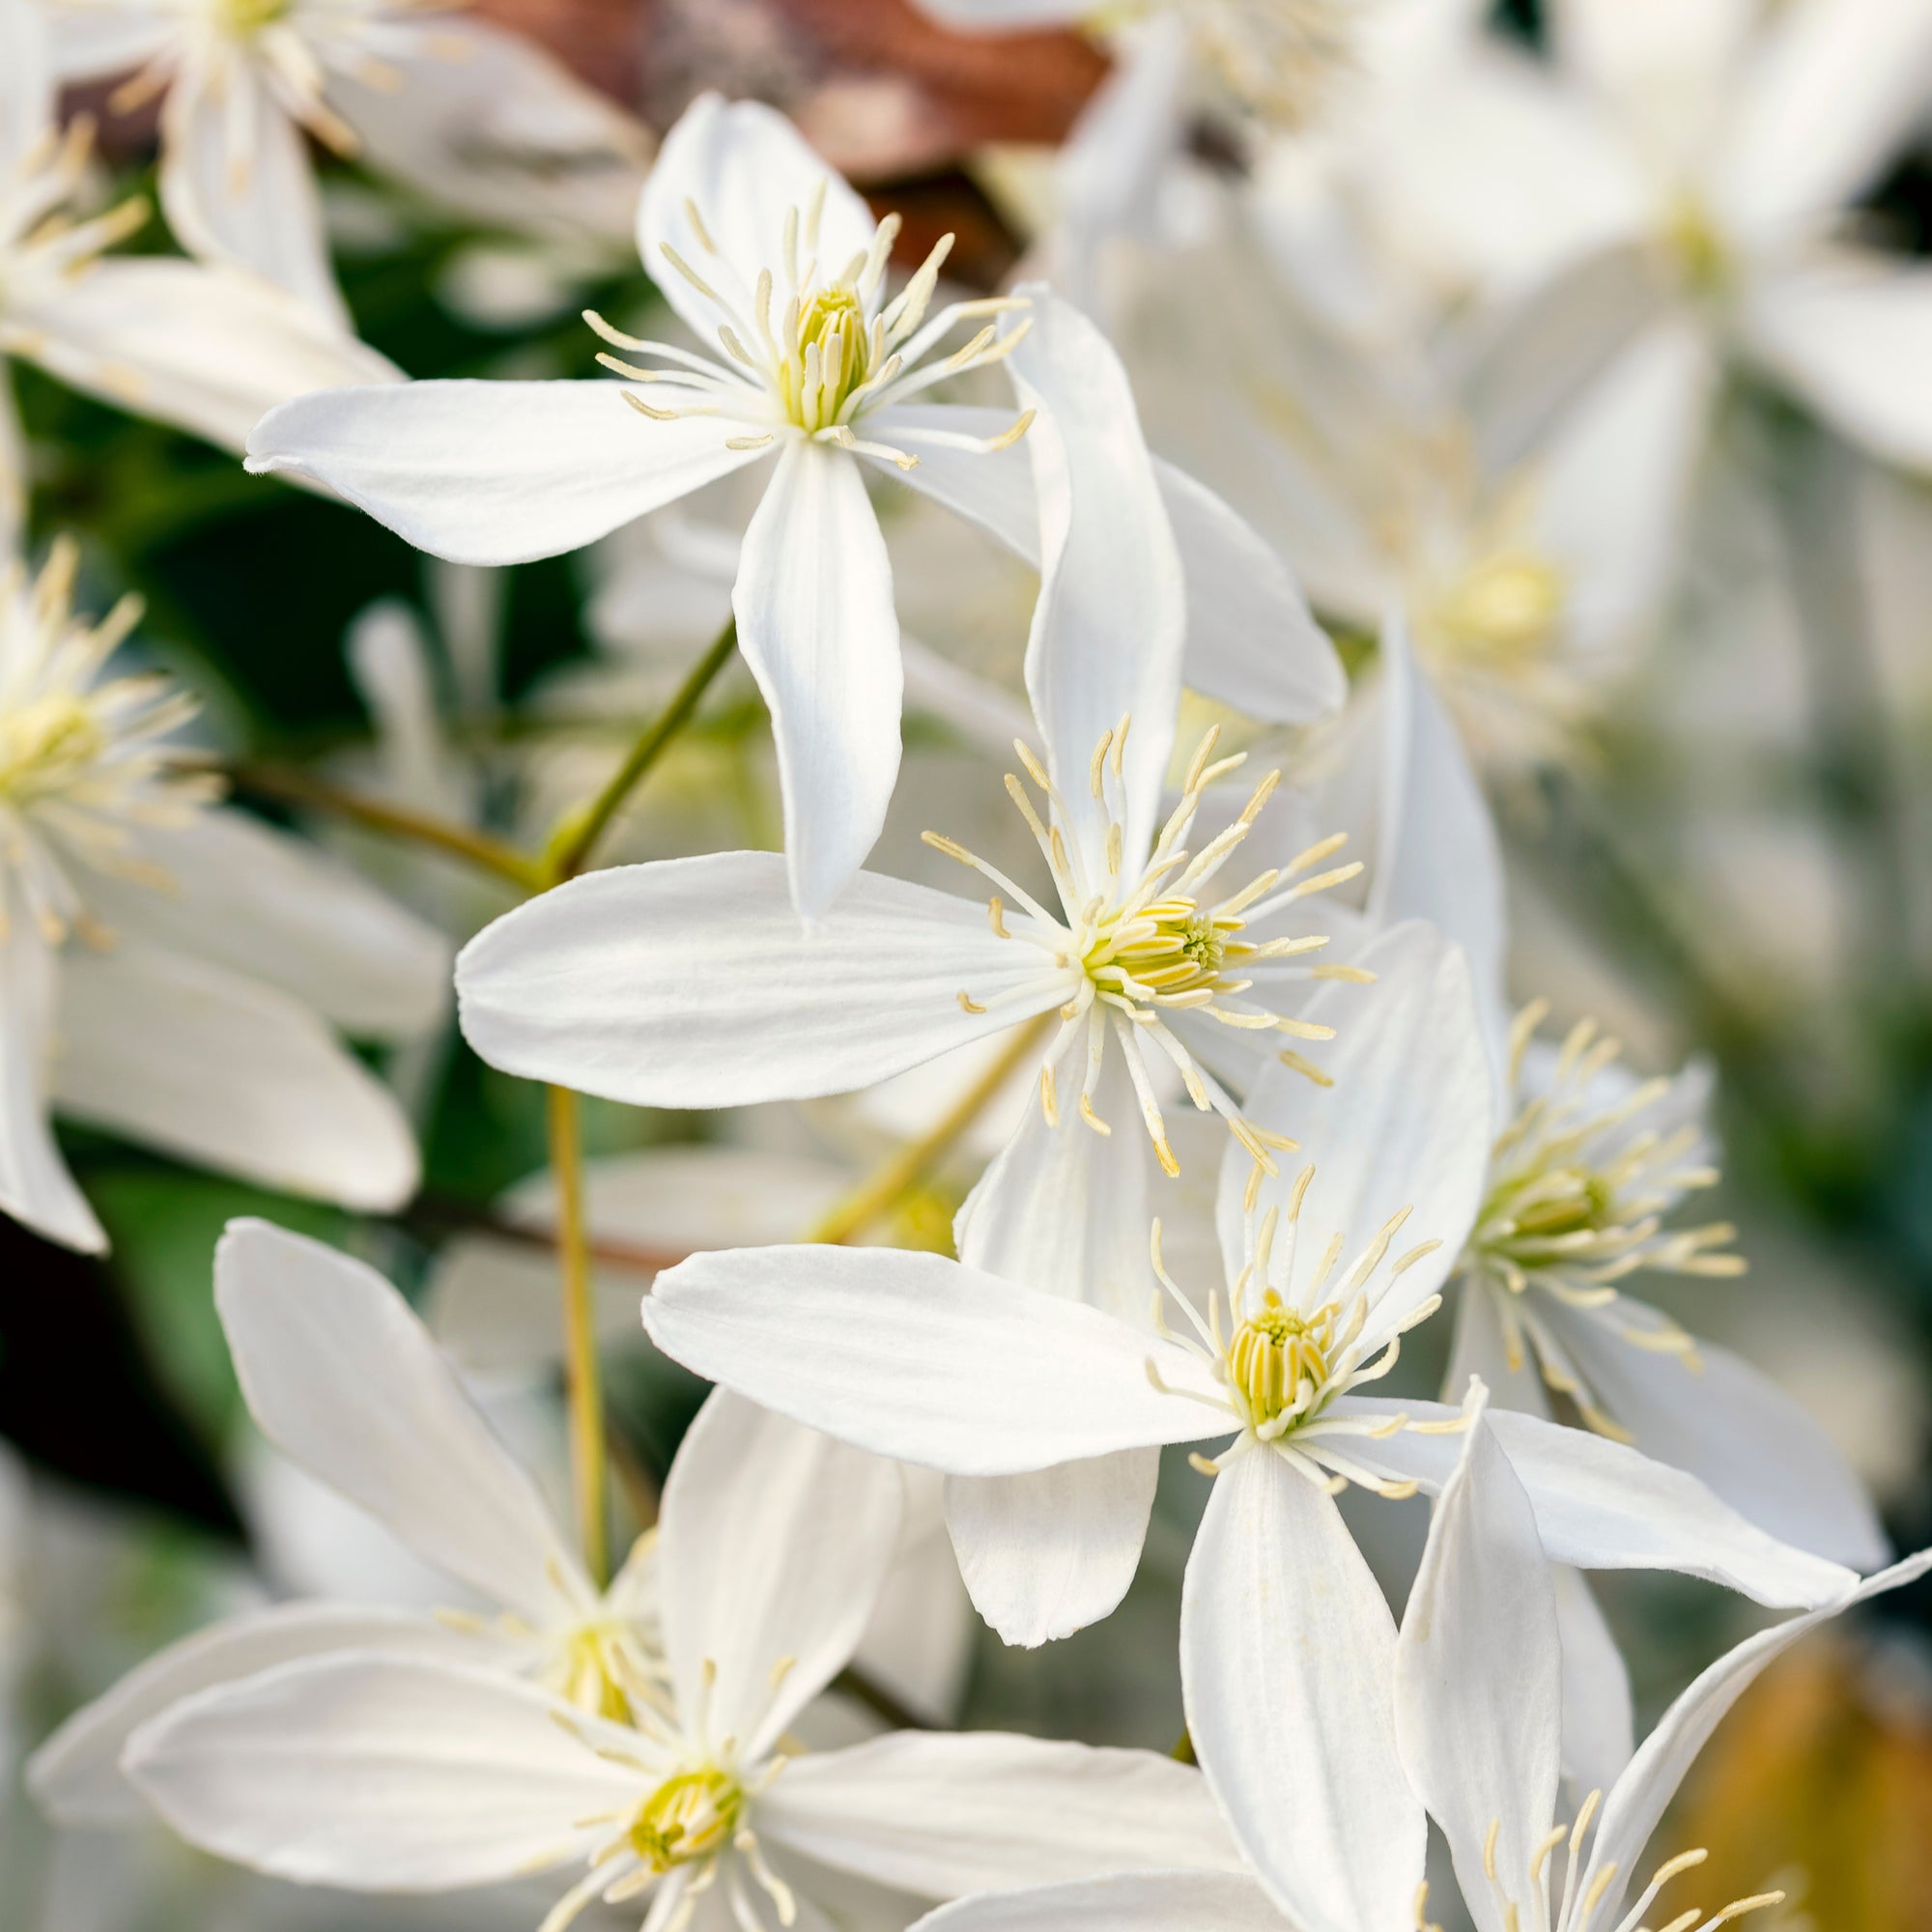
pixel 1695 246
pixel 687 1817
pixel 47 745
pixel 586 1672
pixel 243 19
pixel 1170 947
pixel 1280 1360
pixel 1506 606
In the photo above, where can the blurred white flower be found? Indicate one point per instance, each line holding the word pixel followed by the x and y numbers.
pixel 206 349
pixel 383 1772
pixel 776 259
pixel 170 970
pixel 460 109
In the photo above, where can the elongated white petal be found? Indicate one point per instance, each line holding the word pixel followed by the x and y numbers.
pixel 817 628
pixel 1286 1650
pixel 27 91
pixel 495 472
pixel 743 166
pixel 993 490
pixel 1602 1506
pixel 1479 1679
pixel 1631 1812
pixel 1598 1724
pixel 380 1774
pixel 1251 640
pixel 101 42
pixel 208 349
pixel 35 1186
pixel 1731 1427
pixel 343 1379
pixel 219 1069
pixel 1629 49
pixel 773 1545
pixel 1407 1124
pixel 1834 93
pixel 275 909
pixel 75 1777
pixel 1049 1551
pixel 1851 332
pixel 941 1816
pixel 1065 1210
pixel 238 185
pixel 1109 625
pixel 691 985
pixel 913 1357
pixel 1137 1902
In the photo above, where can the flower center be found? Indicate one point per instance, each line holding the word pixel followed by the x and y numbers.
pixel 690 1816
pixel 833 350
pixel 47 745
pixel 1278 1360
pixel 243 19
pixel 1506 607
pixel 1696 247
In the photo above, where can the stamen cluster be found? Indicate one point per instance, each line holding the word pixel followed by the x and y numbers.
pixel 1577 1202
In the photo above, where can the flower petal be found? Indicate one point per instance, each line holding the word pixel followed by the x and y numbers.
pixel 275 909
pixel 1851 332
pixel 27 91
pixel 380 1774
pixel 36 1188
pixel 1138 1902
pixel 644 982
pixel 1286 1654
pixel 75 1777
pixel 916 1357
pixel 1602 1506
pixel 1479 1677
pixel 744 167
pixel 1112 614
pixel 495 472
pixel 994 491
pixel 940 1816
pixel 237 183
pixel 188 1056
pixel 1406 1123
pixel 1252 641
pixel 341 1377
pixel 1049 1551
pixel 818 631
pixel 1598 1724
pixel 774 1544
pixel 1631 1812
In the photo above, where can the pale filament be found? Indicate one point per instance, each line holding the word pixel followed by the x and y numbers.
pixel 1572 1211
pixel 815 353
pixel 1284 1351
pixel 1138 944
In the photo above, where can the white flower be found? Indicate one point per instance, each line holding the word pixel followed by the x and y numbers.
pixel 384 1773
pixel 247 82
pixel 1480 1680
pixel 766 252
pixel 1692 176
pixel 205 349
pixel 168 969
pixel 1588 1167
pixel 342 1378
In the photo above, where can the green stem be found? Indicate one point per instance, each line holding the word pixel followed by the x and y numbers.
pixel 577 837
pixel 582 1377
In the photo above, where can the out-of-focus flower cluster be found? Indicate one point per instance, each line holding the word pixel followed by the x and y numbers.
pixel 965 965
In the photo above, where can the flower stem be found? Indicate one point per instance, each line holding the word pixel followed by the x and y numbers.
pixel 582 1376
pixel 882 1190
pixel 298 788
pixel 577 834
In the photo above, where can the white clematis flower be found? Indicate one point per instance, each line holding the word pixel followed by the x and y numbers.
pixel 1694 171
pixel 248 82
pixel 168 970
pixel 1480 1680
pixel 206 349
pixel 341 1377
pixel 1589 1169
pixel 765 252
pixel 383 1772
pixel 1054 1411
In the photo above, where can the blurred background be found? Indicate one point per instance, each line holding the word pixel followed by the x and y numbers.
pixel 1726 852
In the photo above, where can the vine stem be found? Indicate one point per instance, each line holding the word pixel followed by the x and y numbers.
pixel 582 1377
pixel 882 1189
pixel 574 839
